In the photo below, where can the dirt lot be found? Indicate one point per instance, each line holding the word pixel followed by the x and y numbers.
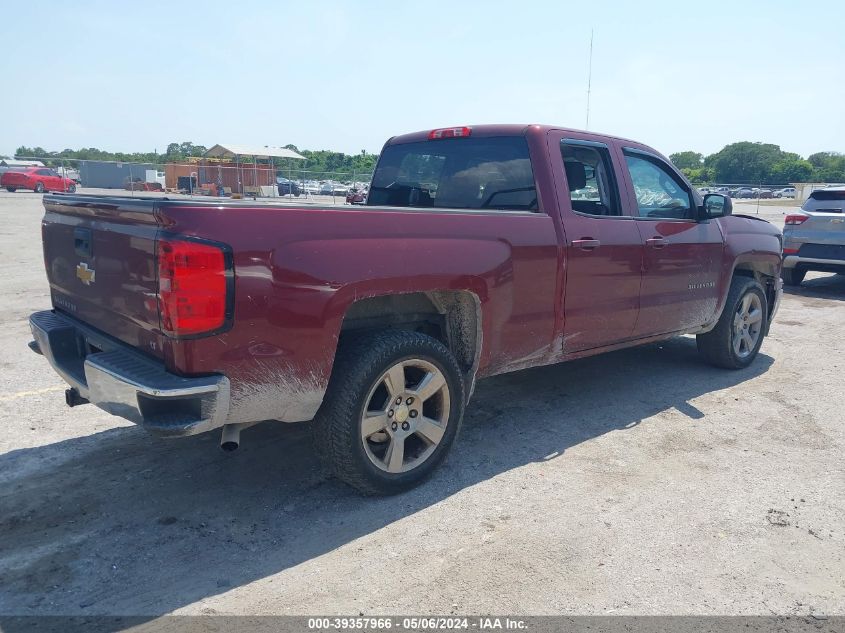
pixel 640 482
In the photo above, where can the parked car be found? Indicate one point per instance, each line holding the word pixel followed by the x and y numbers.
pixel 39 179
pixel 743 192
pixel 333 189
pixel 356 196
pixel 786 192
pixel 289 187
pixel 814 239
pixel 375 323
pixel 763 193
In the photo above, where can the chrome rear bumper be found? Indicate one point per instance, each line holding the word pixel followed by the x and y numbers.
pixel 123 382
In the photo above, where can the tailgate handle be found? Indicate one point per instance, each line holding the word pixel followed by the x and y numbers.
pixel 82 242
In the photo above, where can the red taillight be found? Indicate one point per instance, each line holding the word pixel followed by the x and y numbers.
pixel 193 281
pixel 449 132
pixel 795 218
pixel 790 251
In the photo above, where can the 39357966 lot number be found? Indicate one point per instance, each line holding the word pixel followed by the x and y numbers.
pixel 381 624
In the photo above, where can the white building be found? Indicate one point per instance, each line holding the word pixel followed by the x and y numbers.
pixel 13 162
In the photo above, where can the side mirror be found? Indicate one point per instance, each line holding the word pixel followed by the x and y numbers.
pixel 717 206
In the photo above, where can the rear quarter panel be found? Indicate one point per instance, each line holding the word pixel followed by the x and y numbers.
pixel 298 270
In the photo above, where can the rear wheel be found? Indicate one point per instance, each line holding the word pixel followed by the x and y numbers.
pixel 391 413
pixel 737 337
pixel 11 189
pixel 793 276
pixel 39 187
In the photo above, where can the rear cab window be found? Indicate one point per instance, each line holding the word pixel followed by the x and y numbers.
pixel 590 178
pixel 483 173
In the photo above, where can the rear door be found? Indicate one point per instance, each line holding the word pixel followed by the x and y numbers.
pixel 681 256
pixel 603 246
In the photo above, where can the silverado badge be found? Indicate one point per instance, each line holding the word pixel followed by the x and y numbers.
pixel 85 274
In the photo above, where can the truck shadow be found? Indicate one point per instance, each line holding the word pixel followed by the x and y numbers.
pixel 122 523
pixel 824 286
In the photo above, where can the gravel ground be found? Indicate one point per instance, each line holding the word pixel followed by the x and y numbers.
pixel 638 482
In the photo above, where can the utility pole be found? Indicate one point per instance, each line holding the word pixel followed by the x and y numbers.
pixel 589 80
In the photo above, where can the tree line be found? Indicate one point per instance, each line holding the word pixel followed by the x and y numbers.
pixel 759 163
pixel 740 163
pixel 315 160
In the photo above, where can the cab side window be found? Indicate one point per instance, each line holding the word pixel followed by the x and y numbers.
pixel 660 194
pixel 589 176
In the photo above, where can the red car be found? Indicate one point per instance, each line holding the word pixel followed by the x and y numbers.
pixel 356 197
pixel 39 179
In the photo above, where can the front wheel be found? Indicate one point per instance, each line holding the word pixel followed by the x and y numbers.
pixel 391 413
pixel 737 337
pixel 71 188
pixel 11 189
pixel 39 187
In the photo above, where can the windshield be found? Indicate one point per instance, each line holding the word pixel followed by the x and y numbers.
pixel 457 173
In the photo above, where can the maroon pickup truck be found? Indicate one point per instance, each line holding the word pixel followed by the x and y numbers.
pixel 480 250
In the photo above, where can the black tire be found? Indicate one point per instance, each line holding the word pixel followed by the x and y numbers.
pixel 71 188
pixel 360 363
pixel 11 189
pixel 39 187
pixel 793 276
pixel 716 346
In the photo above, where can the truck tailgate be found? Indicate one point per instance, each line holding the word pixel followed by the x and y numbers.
pixel 101 265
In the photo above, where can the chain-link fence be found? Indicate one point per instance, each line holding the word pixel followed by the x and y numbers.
pixel 196 177
pixel 751 190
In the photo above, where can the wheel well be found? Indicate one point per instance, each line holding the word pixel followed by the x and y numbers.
pixel 452 317
pixel 765 280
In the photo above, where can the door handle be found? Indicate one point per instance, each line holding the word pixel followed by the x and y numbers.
pixel 586 243
pixel 656 242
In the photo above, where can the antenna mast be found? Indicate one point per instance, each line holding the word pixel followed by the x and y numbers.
pixel 589 80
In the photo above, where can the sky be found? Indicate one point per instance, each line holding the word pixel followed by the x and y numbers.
pixel 345 76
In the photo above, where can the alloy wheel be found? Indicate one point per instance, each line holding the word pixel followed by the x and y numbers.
pixel 406 414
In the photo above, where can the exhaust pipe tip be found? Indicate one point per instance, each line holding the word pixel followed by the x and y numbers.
pixel 230 440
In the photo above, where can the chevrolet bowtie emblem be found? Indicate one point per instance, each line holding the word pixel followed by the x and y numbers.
pixel 85 274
